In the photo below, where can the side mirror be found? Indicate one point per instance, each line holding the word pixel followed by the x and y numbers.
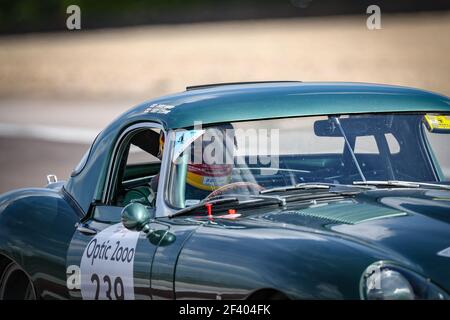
pixel 135 216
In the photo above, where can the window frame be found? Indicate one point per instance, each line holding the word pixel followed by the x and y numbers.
pixel 116 157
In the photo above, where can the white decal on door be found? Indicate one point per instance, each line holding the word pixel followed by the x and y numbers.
pixel 107 265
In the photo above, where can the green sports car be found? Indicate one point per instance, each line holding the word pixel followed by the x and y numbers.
pixel 268 190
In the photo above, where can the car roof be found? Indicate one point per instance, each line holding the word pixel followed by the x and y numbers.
pixel 218 103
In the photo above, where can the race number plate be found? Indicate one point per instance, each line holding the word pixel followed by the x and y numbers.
pixel 107 265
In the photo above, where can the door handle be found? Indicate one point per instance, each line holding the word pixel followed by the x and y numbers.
pixel 83 228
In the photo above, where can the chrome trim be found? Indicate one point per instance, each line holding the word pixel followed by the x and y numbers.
pixel 444 253
pixel 162 207
pixel 51 178
pixel 137 179
pixel 85 229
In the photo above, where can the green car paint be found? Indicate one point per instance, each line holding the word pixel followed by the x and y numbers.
pixel 301 251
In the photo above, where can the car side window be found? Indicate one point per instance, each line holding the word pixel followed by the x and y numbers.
pixel 138 167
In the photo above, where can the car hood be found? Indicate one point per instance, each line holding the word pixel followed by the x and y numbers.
pixel 413 224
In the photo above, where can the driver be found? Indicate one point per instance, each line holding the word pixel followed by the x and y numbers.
pixel 202 178
pixel 205 176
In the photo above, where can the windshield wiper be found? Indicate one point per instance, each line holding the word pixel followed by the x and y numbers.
pixel 300 186
pixel 232 198
pixel 401 184
pixel 312 186
pixel 281 201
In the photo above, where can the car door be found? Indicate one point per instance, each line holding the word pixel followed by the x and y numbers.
pixel 176 234
pixel 105 260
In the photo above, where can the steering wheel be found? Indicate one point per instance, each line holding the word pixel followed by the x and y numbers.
pixel 233 186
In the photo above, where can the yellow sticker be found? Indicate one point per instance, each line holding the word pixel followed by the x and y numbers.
pixel 437 122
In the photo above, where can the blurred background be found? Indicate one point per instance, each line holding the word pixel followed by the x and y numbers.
pixel 60 87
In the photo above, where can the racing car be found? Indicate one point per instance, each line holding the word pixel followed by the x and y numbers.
pixel 262 190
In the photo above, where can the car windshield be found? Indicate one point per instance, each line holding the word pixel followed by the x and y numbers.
pixel 248 157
